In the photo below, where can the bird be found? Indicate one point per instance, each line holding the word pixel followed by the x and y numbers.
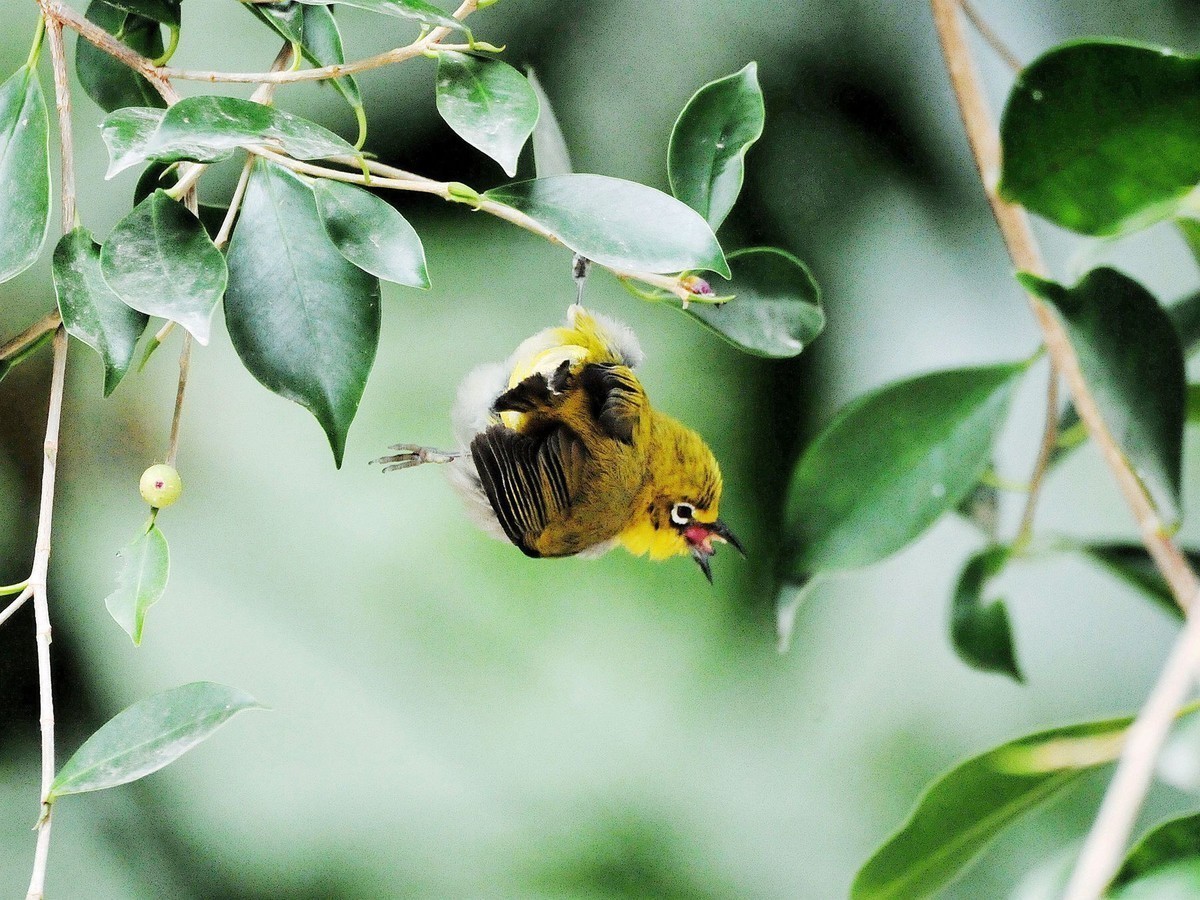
pixel 561 453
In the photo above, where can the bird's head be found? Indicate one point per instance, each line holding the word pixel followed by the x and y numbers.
pixel 678 514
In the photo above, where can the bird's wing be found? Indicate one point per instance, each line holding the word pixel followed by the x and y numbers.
pixel 526 480
pixel 617 399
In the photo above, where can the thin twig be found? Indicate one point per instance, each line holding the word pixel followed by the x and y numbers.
pixel 1110 832
pixel 324 73
pixel 57 11
pixel 45 324
pixel 443 189
pixel 16 604
pixel 235 203
pixel 41 610
pixel 62 100
pixel 1105 845
pixel 159 76
pixel 990 37
pixel 185 365
pixel 1045 452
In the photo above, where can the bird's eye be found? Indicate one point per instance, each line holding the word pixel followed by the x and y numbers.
pixel 681 513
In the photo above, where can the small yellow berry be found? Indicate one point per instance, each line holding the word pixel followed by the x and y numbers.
pixel 161 486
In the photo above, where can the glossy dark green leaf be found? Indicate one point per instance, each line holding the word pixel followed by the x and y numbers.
pixel 149 735
pixel 1132 564
pixel 892 462
pixel 550 154
pixel 1131 357
pixel 706 156
pixel 617 223
pixel 208 129
pixel 414 10
pixel 11 362
pixel 979 629
pixel 303 319
pixel 24 171
pixel 776 311
pixel 128 133
pixel 964 810
pixel 141 581
pixel 90 310
pixel 109 82
pixel 488 103
pixel 321 45
pixel 1168 843
pixel 285 19
pixel 164 11
pixel 164 175
pixel 371 234
pixel 160 260
pixel 1103 137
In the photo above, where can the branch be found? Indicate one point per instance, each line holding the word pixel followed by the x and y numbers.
pixel 41 609
pixel 46 323
pixel 58 12
pixel 990 37
pixel 159 76
pixel 1042 466
pixel 1110 832
pixel 445 190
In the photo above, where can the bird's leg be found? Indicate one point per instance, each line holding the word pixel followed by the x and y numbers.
pixel 579 271
pixel 409 455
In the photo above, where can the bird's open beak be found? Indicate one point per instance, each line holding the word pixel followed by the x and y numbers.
pixel 700 537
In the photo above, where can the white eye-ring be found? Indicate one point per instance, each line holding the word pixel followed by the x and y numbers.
pixel 681 513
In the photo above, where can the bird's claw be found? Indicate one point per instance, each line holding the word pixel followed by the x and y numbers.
pixel 409 455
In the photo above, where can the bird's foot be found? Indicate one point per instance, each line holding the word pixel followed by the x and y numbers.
pixel 409 455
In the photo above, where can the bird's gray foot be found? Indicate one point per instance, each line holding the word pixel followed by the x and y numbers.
pixel 409 455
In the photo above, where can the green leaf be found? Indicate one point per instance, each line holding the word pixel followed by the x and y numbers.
pixel 304 320
pixel 145 563
pixel 24 171
pixel 164 11
pixel 617 223
pixel 892 462
pixel 321 45
pixel 776 311
pixel 1193 404
pixel 980 630
pixel 414 10
pixel 1178 880
pixel 550 154
pixel 1131 358
pixel 1168 844
pixel 160 261
pixel 11 362
pixel 90 310
pixel 285 19
pixel 1185 316
pixel 111 83
pixel 314 30
pixel 488 103
pixel 1133 565
pixel 208 129
pixel 1103 137
pixel 706 156
pixel 793 594
pixel 371 234
pixel 149 735
pixel 128 133
pixel 960 813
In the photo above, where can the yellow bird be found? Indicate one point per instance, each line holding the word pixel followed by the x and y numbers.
pixel 563 455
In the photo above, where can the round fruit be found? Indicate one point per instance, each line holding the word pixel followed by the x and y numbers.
pixel 161 486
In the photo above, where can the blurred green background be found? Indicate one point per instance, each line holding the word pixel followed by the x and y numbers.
pixel 451 719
